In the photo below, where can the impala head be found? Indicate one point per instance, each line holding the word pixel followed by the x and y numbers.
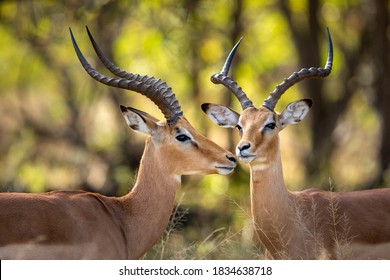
pixel 259 127
pixel 178 146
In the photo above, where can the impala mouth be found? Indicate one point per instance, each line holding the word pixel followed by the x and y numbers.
pixel 224 170
pixel 244 155
pixel 246 158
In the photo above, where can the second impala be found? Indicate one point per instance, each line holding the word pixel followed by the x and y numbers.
pixel 310 224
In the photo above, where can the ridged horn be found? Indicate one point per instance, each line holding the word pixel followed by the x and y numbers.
pixel 155 89
pixel 296 77
pixel 224 79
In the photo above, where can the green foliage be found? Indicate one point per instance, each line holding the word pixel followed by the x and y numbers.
pixel 60 129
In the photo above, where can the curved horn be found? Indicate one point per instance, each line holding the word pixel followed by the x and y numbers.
pixel 223 78
pixel 296 77
pixel 155 89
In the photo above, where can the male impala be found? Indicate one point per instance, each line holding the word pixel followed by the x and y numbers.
pixel 299 225
pixel 84 225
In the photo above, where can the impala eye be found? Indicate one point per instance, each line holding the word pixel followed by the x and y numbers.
pixel 182 138
pixel 271 125
pixel 239 127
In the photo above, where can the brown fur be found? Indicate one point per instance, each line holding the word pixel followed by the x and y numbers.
pixel 310 224
pixel 84 225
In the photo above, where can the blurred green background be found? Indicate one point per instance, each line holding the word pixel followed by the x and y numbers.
pixel 60 129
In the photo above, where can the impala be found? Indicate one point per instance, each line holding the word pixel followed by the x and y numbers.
pixel 308 224
pixel 85 225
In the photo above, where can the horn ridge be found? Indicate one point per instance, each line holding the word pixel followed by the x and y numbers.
pixel 224 79
pixel 304 73
pixel 155 89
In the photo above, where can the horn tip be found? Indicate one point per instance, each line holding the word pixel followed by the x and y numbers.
pixel 70 31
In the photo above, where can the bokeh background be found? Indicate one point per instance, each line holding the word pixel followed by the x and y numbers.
pixel 60 129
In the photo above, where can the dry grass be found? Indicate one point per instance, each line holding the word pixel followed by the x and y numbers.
pixel 221 243
pixel 226 243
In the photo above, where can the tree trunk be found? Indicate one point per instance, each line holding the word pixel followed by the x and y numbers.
pixel 380 43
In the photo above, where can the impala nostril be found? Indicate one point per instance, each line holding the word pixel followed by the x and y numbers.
pixel 231 158
pixel 244 147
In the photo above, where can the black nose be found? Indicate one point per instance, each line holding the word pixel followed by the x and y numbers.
pixel 244 147
pixel 233 159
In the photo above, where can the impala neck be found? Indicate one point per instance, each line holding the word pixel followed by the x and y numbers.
pixel 272 208
pixel 267 183
pixel 149 205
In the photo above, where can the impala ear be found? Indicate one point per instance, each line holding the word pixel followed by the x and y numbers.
pixel 139 121
pixel 221 115
pixel 295 112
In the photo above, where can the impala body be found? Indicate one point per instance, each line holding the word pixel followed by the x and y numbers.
pixel 85 225
pixel 310 224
